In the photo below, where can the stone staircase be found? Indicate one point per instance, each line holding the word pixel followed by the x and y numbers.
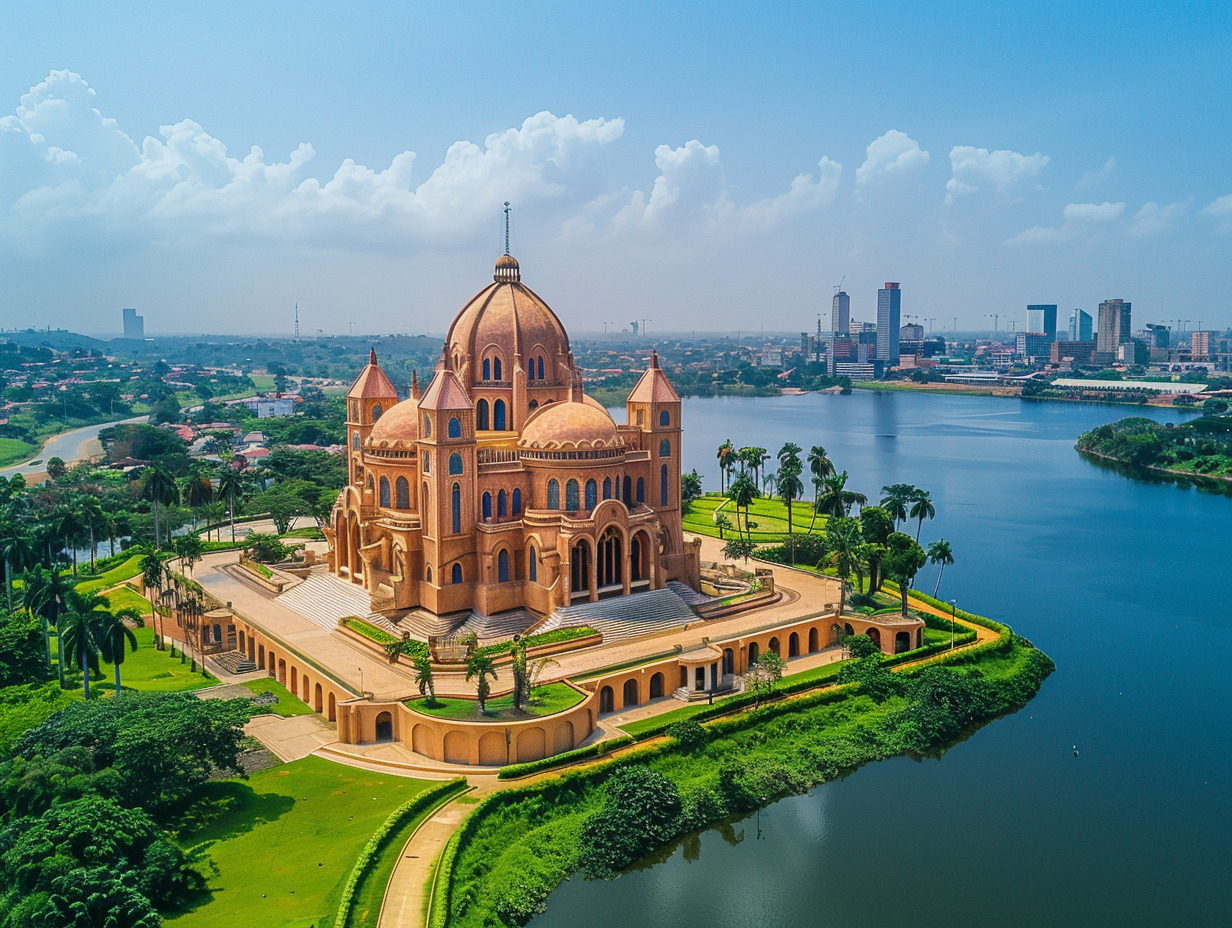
pixel 687 593
pixel 234 662
pixel 323 599
pixel 626 616
pixel 497 627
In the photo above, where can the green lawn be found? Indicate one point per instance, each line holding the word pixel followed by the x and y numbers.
pixel 550 699
pixel 770 516
pixel 263 382
pixel 15 451
pixel 286 840
pixel 118 574
pixel 124 598
pixel 286 705
pixel 151 671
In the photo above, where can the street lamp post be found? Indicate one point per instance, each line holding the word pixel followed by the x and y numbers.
pixel 361 682
pixel 953 620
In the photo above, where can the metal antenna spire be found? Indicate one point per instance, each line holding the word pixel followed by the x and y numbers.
pixel 506 227
pixel 297 321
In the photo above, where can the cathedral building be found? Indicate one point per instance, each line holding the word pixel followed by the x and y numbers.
pixel 502 485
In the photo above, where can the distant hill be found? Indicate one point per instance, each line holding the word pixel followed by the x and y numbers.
pixel 56 339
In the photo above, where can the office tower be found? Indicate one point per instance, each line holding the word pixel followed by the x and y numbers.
pixel 1113 326
pixel 134 325
pixel 1080 329
pixel 1042 317
pixel 840 314
pixel 889 309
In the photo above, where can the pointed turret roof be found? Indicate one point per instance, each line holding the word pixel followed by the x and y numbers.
pixel 372 382
pixel 654 387
pixel 445 392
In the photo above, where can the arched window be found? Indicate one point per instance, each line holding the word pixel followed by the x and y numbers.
pixel 369 481
pixel 502 504
pixel 628 495
pixel 534 404
pixel 487 505
pixel 517 502
pixel 665 449
pixel 540 359
pixel 607 487
pixel 402 493
pixel 481 416
pixel 384 491
pixel 665 418
pixel 641 490
pixel 457 508
pixel 498 416
pixel 571 496
pixel 592 492
pixel 502 566
pixel 427 426
pixel 428 573
pixel 663 485
pixel 425 508
pixel 455 427
pixel 487 368
pixel 427 464
pixel 496 369
pixel 532 563
pixel 355 441
pixel 455 464
pixel 455 574
pixel 376 412
pixel 553 494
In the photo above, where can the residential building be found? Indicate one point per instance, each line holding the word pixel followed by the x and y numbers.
pixel 1114 326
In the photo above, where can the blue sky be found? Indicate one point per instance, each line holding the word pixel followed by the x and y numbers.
pixel 712 167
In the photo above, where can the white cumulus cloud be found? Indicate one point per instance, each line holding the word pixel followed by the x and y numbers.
pixel 975 169
pixel 1221 211
pixel 895 152
pixel 1079 219
pixel 1153 219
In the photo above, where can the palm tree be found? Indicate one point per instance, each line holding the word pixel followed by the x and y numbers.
pixel 722 523
pixel 821 467
pixel 843 540
pixel 160 488
pixel 479 668
pixel 838 500
pixel 154 575
pixel 90 515
pixel 424 679
pixel 113 634
pixel 726 456
pixel 16 546
pixel 43 593
pixel 742 492
pixel 895 499
pixel 921 508
pixel 83 612
pixel 940 552
pixel 791 487
pixel 231 483
pixel 197 492
pixel 213 513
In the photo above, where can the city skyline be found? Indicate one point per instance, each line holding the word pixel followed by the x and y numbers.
pixel 361 171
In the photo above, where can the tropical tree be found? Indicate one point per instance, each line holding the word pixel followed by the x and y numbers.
pixel 197 491
pixel 903 558
pixel 790 488
pixel 837 499
pixel 16 545
pixel 424 678
pixel 112 634
pixel 843 540
pixel 742 492
pixel 940 552
pixel 763 673
pixel 188 548
pixel 517 651
pixel 43 593
pixel 876 525
pixel 479 668
pixel 90 517
pixel 232 484
pixel 820 467
pixel 727 457
pixel 894 500
pixel 83 612
pixel 921 508
pixel 739 548
pixel 154 576
pixel 722 523
pixel 161 489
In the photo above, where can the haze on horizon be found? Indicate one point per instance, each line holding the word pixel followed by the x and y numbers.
pixel 708 168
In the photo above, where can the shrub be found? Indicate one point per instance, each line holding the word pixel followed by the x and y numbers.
pixel 689 734
pixel 640 811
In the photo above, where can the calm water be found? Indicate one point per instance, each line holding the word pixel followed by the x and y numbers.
pixel 1125 584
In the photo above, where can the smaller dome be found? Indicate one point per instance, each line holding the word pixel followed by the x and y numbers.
pixel 399 425
pixel 507 269
pixel 570 426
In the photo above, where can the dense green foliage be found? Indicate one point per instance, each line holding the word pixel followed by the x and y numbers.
pixel 1202 448
pixel 22 650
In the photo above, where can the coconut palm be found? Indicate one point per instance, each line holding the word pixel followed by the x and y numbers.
pixel 726 456
pixel 155 576
pixel 479 668
pixel 820 467
pixel 83 612
pixel 895 499
pixel 16 545
pixel 424 678
pixel 940 552
pixel 90 517
pixel 742 492
pixel 160 488
pixel 112 634
pixel 43 592
pixel 231 484
pixel 837 500
pixel 843 541
pixel 790 487
pixel 921 508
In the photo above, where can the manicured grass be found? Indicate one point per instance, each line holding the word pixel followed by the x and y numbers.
pixel 770 514
pixel 264 383
pixel 150 671
pixel 286 705
pixel 304 534
pixel 15 451
pixel 550 699
pixel 118 574
pixel 125 598
pixel 368 630
pixel 285 841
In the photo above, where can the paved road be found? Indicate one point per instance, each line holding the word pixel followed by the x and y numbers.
pixel 68 447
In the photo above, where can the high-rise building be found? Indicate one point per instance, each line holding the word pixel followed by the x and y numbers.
pixel 840 314
pixel 134 325
pixel 1042 317
pixel 889 310
pixel 1114 326
pixel 1080 329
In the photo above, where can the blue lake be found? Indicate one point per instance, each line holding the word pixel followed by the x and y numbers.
pixel 1123 583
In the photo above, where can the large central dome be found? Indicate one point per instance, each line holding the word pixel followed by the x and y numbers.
pixel 509 318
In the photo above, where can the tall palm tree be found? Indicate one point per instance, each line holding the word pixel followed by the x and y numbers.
pixel 894 500
pixel 90 516
pixel 940 552
pixel 921 508
pixel 16 545
pixel 198 491
pixel 479 668
pixel 154 576
pixel 843 541
pixel 790 487
pixel 726 456
pixel 113 634
pixel 231 484
pixel 742 492
pixel 424 678
pixel 820 467
pixel 43 592
pixel 160 488
pixel 837 499
pixel 82 614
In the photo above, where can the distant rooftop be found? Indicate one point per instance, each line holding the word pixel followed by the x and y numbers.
pixel 1150 386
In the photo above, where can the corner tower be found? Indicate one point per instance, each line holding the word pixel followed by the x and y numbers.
pixel 369 397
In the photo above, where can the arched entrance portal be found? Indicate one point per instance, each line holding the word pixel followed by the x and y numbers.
pixel 384 727
pixel 611 561
pixel 605 699
pixel 630 693
pixel 579 569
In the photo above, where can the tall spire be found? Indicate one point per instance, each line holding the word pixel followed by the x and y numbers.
pixel 372 355
pixel 506 227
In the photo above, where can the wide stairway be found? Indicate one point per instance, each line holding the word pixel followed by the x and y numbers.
pixel 687 593
pixel 323 599
pixel 626 616
pixel 497 627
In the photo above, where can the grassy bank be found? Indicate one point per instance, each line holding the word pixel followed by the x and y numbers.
pixel 15 451
pixel 769 514
pixel 520 843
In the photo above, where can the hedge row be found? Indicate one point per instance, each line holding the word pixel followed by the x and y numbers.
pixel 370 631
pixel 555 636
pixel 598 749
pixel 366 860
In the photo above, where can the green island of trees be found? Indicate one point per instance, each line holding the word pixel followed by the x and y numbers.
pixel 1201 448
